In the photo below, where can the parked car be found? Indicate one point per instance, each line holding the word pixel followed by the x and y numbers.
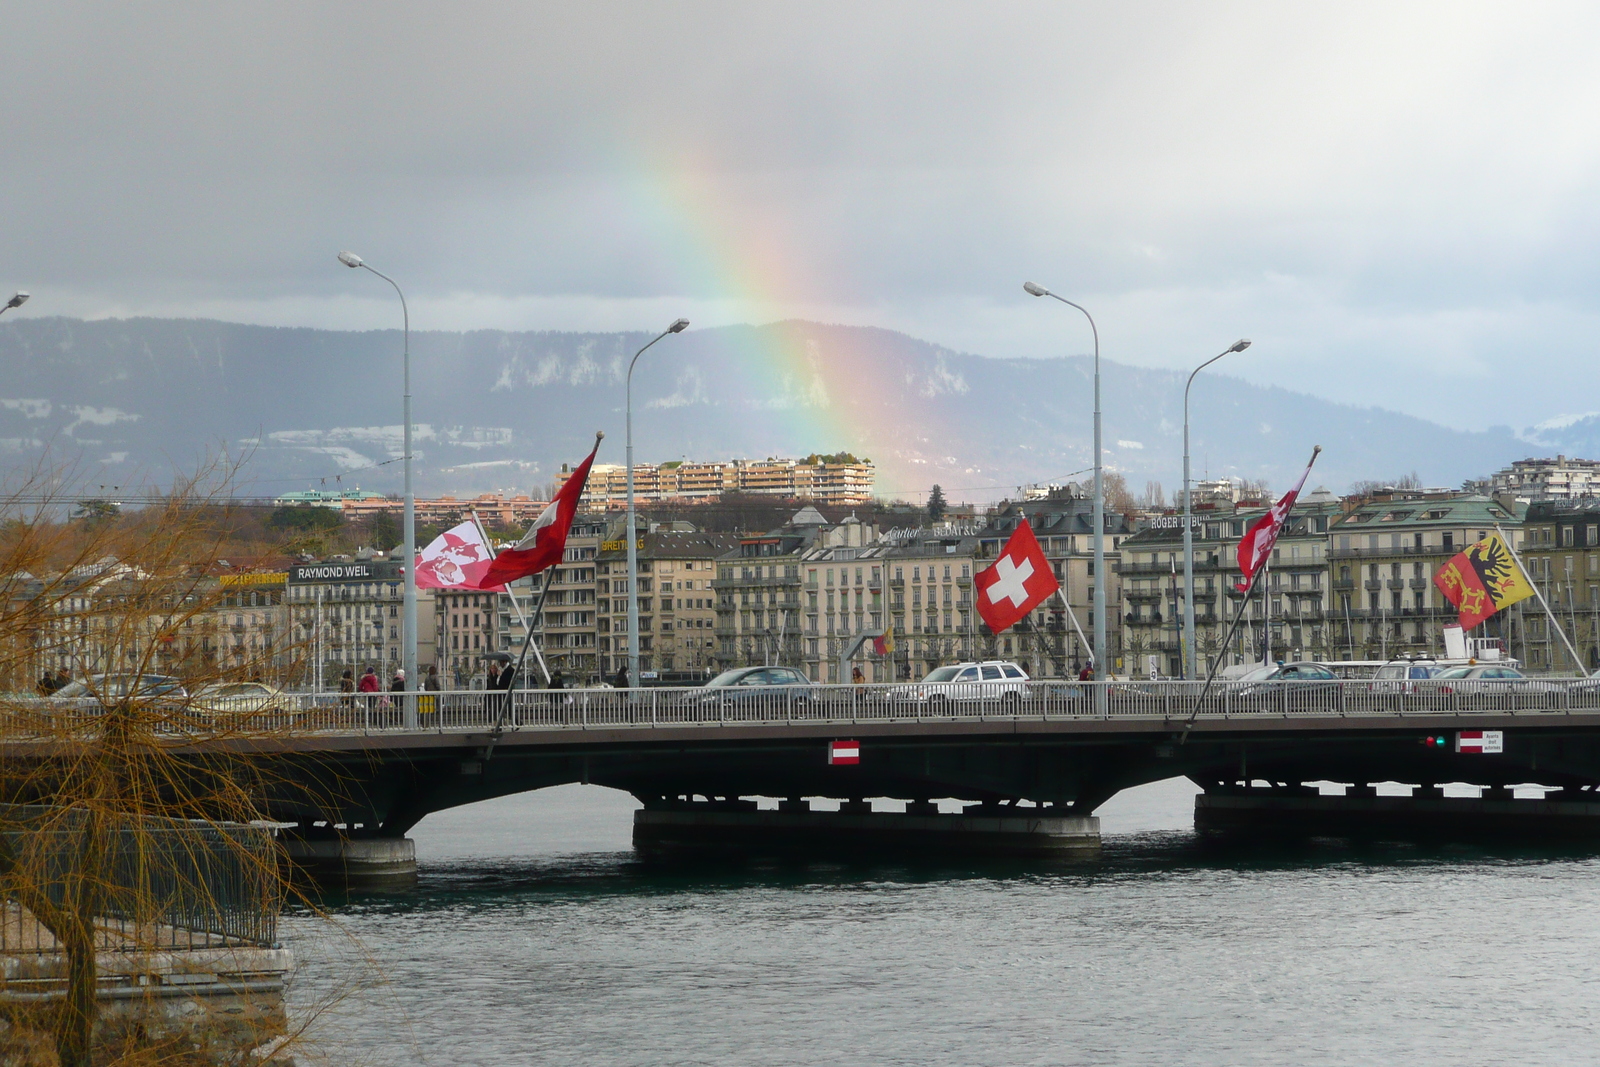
pixel 104 687
pixel 996 680
pixel 1490 678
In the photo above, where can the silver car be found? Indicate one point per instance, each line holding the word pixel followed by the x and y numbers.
pixel 992 680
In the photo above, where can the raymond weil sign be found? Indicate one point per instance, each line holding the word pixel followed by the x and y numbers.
pixel 367 571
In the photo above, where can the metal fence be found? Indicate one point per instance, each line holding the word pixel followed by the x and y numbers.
pixel 609 709
pixel 153 883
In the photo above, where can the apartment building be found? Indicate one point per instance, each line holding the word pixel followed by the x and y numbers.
pixel 677 604
pixel 1561 551
pixel 1290 599
pixel 758 587
pixel 1064 524
pixel 928 579
pixel 347 614
pixel 832 480
pixel 1383 552
pixel 1537 480
pixel 492 509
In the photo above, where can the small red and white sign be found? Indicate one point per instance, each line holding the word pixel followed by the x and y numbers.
pixel 1481 742
pixel 840 752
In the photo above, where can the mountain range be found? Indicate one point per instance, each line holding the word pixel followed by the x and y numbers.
pixel 130 401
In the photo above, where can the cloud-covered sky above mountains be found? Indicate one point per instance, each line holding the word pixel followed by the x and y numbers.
pixel 1398 203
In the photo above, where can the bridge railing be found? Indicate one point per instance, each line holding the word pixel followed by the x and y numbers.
pixel 607 709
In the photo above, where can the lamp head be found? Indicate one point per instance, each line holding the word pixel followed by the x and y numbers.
pixel 1034 290
pixel 1240 345
pixel 679 326
pixel 350 259
pixel 18 300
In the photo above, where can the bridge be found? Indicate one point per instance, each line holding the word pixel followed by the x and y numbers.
pixel 347 776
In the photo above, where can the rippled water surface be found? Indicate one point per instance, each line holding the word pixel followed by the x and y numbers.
pixel 534 937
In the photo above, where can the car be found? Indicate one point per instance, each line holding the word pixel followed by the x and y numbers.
pixel 1298 685
pixel 1490 678
pixel 246 697
pixel 999 680
pixel 105 687
pixel 757 689
pixel 1399 677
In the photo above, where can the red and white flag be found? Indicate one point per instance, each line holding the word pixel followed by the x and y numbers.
pixel 1256 548
pixel 546 539
pixel 456 559
pixel 1016 583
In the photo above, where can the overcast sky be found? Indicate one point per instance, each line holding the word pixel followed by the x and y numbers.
pixel 1396 202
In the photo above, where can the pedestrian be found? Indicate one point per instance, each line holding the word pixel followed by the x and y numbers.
pixel 63 679
pixel 621 680
pixel 369 685
pixel 398 683
pixel 856 677
pixel 492 679
pixel 47 684
pixel 557 680
pixel 347 685
pixel 432 683
pixel 1087 674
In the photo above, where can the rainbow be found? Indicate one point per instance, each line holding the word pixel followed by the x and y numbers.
pixel 801 388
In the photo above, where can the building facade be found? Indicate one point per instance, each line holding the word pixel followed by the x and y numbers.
pixel 841 481
pixel 1383 552
pixel 1561 552
pixel 1286 613
pixel 347 615
pixel 1064 525
pixel 758 590
pixel 1536 480
pixel 677 604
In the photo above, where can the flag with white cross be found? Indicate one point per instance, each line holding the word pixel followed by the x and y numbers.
pixel 1016 583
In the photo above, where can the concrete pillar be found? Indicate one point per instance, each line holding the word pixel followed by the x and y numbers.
pixel 360 863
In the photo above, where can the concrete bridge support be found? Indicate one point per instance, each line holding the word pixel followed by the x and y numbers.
pixel 730 826
pixel 359 863
pixel 1301 811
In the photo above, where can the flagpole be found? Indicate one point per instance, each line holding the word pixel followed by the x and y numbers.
pixel 1061 591
pixel 1542 601
pixel 516 671
pixel 1237 619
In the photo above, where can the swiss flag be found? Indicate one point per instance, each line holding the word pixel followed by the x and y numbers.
pixel 1019 581
pixel 546 539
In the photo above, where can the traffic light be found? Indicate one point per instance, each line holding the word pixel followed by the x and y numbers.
pixel 1434 741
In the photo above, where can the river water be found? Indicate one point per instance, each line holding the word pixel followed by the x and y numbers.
pixel 535 937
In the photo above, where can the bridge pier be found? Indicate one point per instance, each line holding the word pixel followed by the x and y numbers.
pixel 665 827
pixel 359 863
pixel 1237 812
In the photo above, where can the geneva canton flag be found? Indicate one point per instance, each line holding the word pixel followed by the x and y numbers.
pixel 1019 581
pixel 1481 580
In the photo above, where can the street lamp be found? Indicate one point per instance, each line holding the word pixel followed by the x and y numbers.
pixel 1190 657
pixel 633 547
pixel 15 302
pixel 408 652
pixel 1099 494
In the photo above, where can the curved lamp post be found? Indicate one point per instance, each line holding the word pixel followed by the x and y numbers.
pixel 633 541
pixel 409 591
pixel 15 302
pixel 1190 658
pixel 1099 495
